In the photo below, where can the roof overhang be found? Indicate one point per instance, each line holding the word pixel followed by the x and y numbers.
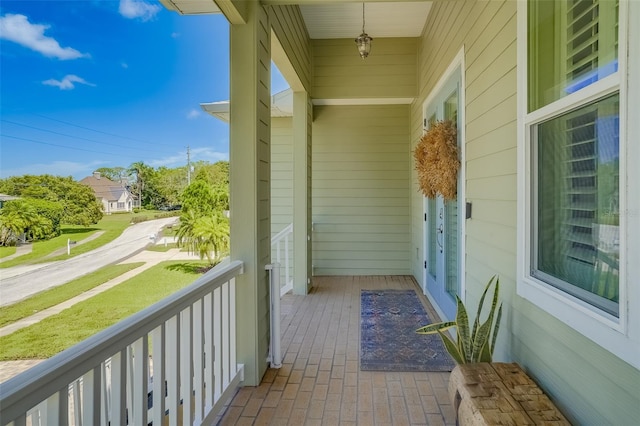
pixel 191 7
pixel 281 106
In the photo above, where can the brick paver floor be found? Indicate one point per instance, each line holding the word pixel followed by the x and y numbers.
pixel 320 382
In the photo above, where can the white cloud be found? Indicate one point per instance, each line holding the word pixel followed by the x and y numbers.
pixel 209 154
pixel 194 113
pixel 67 82
pixel 17 28
pixel 175 35
pixel 58 168
pixel 137 9
pixel 124 65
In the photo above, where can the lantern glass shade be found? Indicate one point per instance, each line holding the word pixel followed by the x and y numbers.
pixel 364 45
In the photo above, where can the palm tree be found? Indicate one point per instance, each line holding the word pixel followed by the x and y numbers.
pixel 19 217
pixel 208 236
pixel 212 233
pixel 11 226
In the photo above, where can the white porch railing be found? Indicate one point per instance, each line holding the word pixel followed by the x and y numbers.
pixel 282 243
pixel 109 378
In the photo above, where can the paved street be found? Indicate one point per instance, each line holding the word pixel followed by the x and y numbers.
pixel 23 281
pixel 9 369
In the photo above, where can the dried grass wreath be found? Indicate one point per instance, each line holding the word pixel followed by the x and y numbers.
pixel 437 161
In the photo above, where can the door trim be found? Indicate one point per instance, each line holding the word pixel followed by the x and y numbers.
pixel 457 62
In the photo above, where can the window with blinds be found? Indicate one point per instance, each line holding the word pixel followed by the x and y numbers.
pixel 572 45
pixel 577 203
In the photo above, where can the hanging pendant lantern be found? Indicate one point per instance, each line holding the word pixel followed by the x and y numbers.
pixel 363 41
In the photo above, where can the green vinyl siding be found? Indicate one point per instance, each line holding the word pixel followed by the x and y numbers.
pixel 361 190
pixel 340 73
pixel 587 382
pixel 291 32
pixel 591 386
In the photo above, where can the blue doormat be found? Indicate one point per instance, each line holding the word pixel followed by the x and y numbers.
pixel 388 341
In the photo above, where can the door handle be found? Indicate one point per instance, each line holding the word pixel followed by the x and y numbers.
pixel 439 234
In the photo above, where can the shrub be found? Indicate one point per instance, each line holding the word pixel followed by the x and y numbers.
pixel 138 219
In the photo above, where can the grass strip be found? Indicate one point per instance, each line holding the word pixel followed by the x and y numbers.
pixel 7 251
pixel 162 248
pixel 61 331
pixel 53 296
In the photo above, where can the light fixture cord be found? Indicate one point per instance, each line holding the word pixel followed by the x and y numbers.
pixel 363 17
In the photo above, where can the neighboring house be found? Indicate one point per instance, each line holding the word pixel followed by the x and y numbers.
pixel 4 198
pixel 544 95
pixel 114 196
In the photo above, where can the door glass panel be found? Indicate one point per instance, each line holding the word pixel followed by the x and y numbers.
pixel 451 213
pixel 431 236
pixel 451 108
pixel 451 259
pixel 431 224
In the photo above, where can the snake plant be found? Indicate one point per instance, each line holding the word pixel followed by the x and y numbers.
pixel 478 344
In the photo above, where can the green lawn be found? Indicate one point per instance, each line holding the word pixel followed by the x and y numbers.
pixel 6 251
pixel 52 297
pixel 112 225
pixel 56 333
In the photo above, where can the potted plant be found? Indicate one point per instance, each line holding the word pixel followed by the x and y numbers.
pixel 471 345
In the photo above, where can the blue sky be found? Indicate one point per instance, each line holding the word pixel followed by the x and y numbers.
pixel 89 83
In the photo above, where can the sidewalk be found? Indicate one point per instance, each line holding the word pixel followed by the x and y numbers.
pixel 8 369
pixel 20 250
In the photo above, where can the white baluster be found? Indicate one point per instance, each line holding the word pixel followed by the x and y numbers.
pixel 173 363
pixel 140 381
pixel 286 262
pixel 158 339
pixel 208 351
pixel 226 367
pixel 198 364
pixel 232 325
pixel 186 359
pixel 91 390
pixel 217 342
pixel 118 388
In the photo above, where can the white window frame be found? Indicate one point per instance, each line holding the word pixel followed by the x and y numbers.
pixel 619 335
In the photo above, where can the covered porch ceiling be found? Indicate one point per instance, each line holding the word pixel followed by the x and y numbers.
pixel 383 19
pixel 331 19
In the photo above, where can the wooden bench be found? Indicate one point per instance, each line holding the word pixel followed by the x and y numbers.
pixel 500 394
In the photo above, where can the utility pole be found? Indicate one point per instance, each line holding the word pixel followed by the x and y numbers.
pixel 188 166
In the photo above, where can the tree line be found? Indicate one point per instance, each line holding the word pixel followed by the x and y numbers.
pixel 163 186
pixel 46 202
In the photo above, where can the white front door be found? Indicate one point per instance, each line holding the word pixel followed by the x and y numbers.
pixel 442 218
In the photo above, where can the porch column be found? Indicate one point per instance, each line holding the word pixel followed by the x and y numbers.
pixel 250 176
pixel 302 117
